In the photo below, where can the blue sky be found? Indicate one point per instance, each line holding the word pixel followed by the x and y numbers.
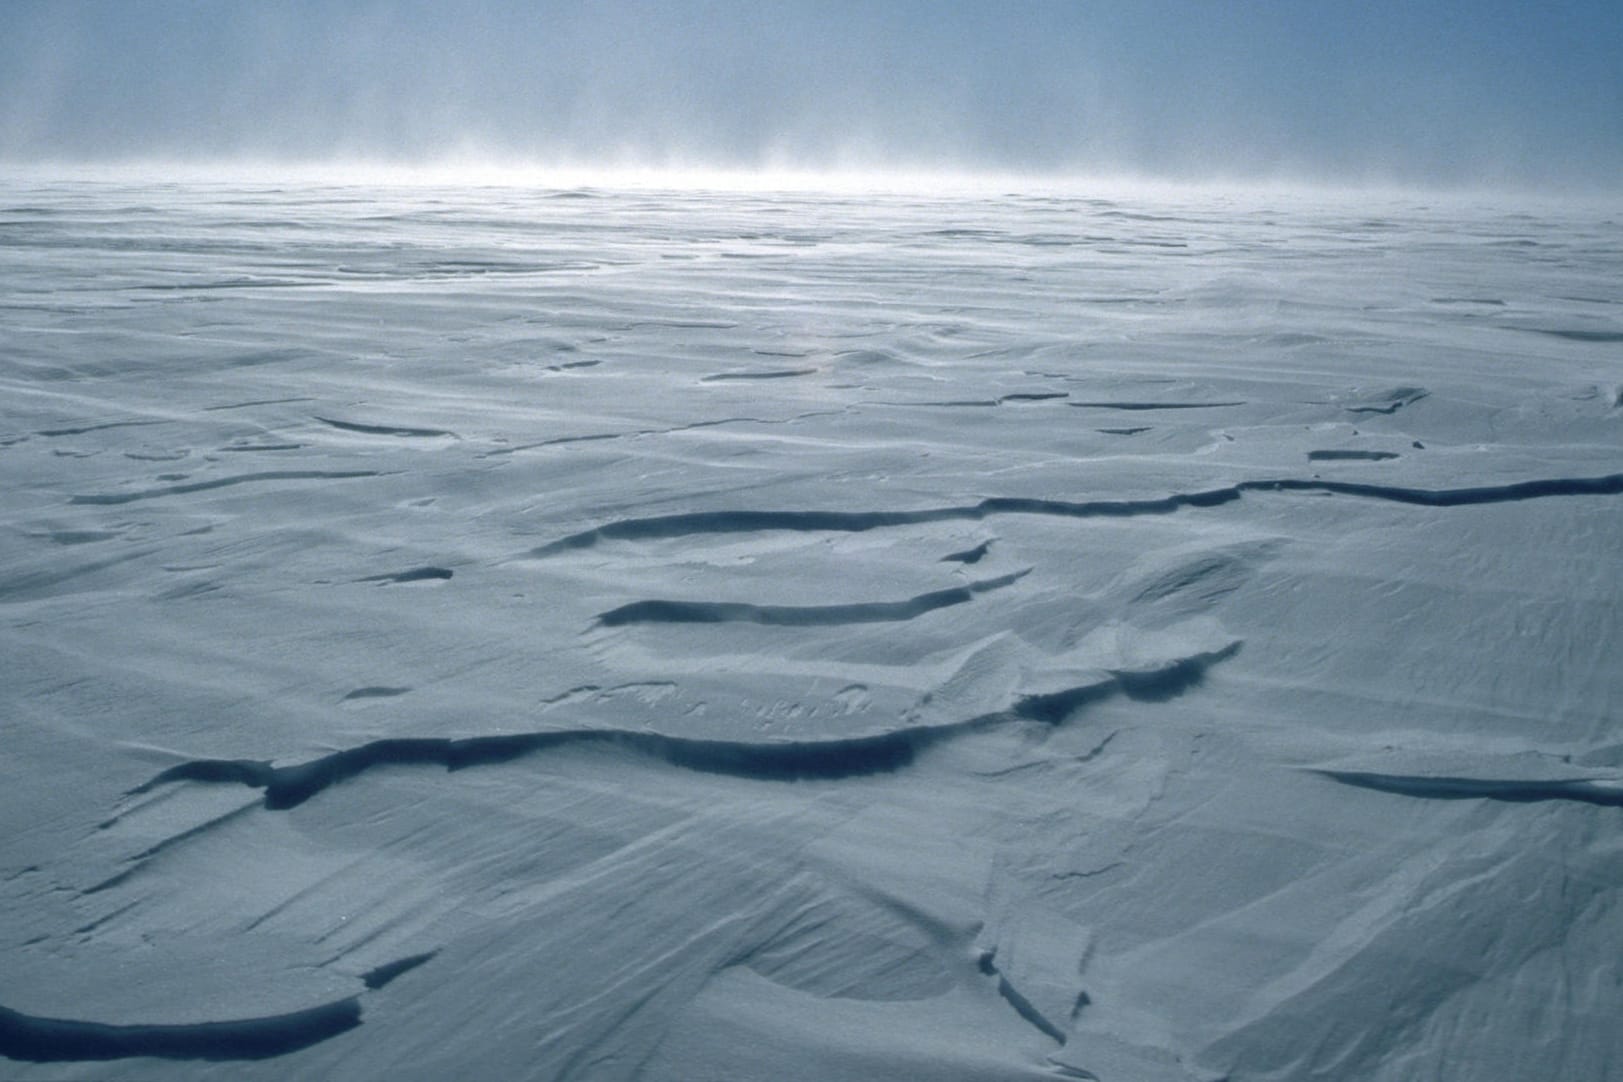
pixel 1424 91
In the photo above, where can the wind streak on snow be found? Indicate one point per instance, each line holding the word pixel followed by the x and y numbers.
pixel 220 482
pixel 724 522
pixel 83 429
pixel 780 761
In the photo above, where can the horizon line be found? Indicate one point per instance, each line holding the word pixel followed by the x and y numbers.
pixel 362 171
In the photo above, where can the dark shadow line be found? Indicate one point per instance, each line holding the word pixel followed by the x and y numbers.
pixel 727 522
pixel 1510 790
pixel 58 1040
pixel 777 761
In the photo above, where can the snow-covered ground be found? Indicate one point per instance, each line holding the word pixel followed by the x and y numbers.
pixel 682 636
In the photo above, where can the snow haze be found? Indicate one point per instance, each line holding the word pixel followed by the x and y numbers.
pixel 1485 94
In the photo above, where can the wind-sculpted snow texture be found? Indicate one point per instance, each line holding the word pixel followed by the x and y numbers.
pixel 662 636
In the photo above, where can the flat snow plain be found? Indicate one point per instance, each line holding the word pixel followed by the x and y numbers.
pixel 681 636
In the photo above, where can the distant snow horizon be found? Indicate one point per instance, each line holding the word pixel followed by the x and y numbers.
pixel 876 179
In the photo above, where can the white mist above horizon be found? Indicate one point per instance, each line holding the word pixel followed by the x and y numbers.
pixel 628 174
pixel 844 94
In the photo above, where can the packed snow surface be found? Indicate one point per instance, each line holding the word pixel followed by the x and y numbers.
pixel 682 636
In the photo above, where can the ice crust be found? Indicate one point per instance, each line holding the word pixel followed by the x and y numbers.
pixel 672 636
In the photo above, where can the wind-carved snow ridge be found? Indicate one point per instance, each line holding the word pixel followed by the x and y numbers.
pixel 1605 792
pixel 1352 456
pixel 61 1040
pixel 1387 402
pixel 57 1040
pixel 389 971
pixel 416 574
pixel 725 522
pixel 874 612
pixel 778 761
pixel 385 430
pixel 1023 1006
pixel 969 556
pixel 699 523
pixel 1137 407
